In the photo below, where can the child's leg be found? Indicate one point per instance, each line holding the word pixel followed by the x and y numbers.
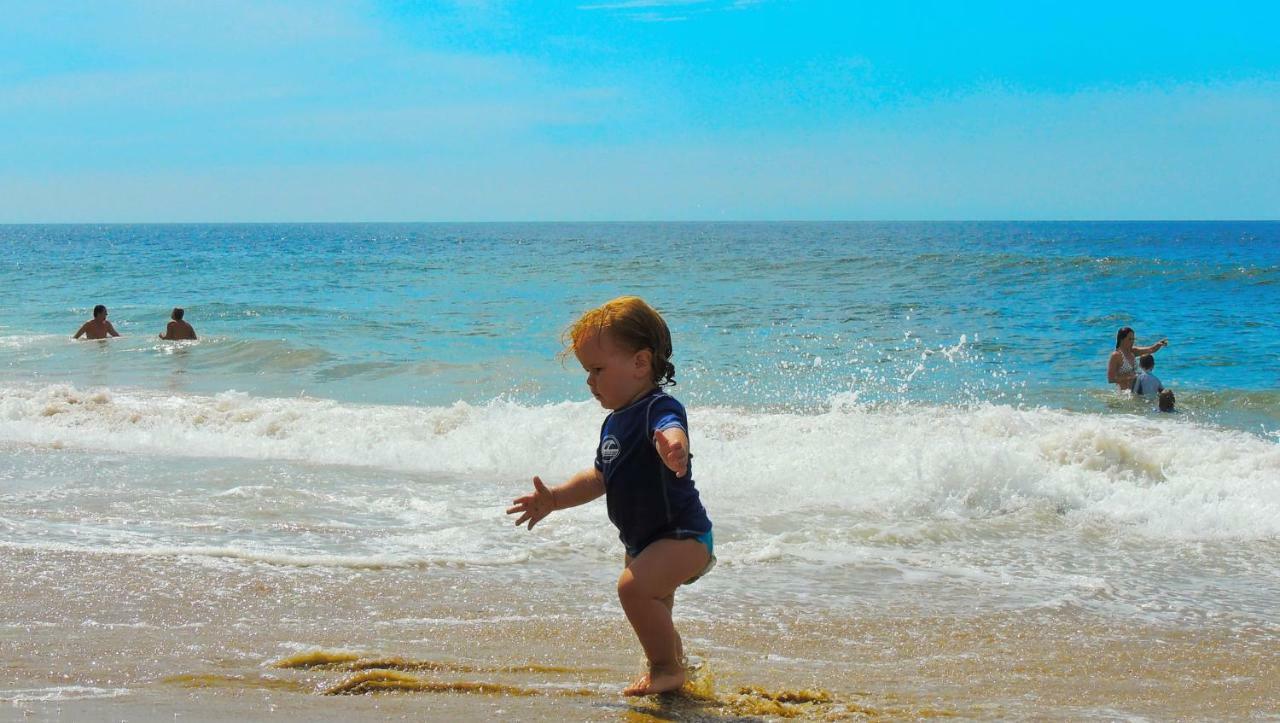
pixel 646 590
pixel 670 602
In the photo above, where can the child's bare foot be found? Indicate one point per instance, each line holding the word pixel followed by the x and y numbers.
pixel 659 679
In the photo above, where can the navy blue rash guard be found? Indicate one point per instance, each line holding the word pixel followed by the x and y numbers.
pixel 646 500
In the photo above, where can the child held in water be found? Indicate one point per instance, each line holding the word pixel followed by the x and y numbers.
pixel 1146 383
pixel 642 467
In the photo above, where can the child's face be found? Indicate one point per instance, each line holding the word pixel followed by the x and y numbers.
pixel 616 376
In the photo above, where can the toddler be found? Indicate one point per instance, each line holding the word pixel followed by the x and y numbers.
pixel 642 468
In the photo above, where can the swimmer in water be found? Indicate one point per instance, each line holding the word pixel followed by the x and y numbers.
pixel 98 327
pixel 178 330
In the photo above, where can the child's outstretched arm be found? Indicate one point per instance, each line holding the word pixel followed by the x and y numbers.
pixel 580 489
pixel 673 447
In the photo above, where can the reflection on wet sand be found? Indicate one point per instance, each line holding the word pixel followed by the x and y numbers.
pixel 378 681
pixel 236 682
pixel 696 700
pixel 341 660
pixel 171 636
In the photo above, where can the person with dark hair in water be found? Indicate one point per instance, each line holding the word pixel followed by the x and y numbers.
pixel 1166 400
pixel 178 330
pixel 98 327
pixel 1122 368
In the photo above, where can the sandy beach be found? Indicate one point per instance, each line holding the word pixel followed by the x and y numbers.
pixel 105 637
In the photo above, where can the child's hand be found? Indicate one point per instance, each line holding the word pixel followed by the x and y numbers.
pixel 673 448
pixel 535 506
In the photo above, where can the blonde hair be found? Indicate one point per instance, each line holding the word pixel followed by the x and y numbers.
pixel 629 321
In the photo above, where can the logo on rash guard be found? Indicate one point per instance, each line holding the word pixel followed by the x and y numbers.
pixel 609 449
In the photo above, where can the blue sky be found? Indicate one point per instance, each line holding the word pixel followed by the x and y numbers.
pixel 176 110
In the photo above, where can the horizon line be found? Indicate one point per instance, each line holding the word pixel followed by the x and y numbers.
pixel 638 221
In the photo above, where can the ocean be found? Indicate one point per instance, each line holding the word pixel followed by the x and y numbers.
pixel 926 498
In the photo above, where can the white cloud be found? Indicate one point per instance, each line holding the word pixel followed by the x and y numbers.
pixel 658 18
pixel 641 4
pixel 668 11
pixel 223 68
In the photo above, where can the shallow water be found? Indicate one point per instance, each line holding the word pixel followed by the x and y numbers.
pixel 785 315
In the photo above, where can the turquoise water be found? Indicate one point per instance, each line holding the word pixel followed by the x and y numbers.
pixel 767 316
pixel 884 414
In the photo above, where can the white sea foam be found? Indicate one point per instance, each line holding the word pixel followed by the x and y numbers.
pixel 1171 478
pixel 1164 476
pixel 60 692
pixel 460 439
pixel 272 557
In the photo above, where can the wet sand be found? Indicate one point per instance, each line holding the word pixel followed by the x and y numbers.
pixel 97 637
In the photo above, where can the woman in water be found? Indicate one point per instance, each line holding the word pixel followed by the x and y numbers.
pixel 1122 368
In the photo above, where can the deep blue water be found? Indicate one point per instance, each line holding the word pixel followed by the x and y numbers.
pixel 764 315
